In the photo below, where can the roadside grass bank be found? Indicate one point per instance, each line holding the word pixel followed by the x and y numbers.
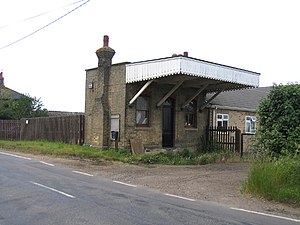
pixel 275 179
pixel 58 149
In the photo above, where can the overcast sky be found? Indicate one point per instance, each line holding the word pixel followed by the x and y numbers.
pixel 258 35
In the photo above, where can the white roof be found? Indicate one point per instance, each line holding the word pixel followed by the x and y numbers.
pixel 152 69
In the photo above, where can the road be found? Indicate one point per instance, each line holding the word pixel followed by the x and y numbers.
pixel 36 192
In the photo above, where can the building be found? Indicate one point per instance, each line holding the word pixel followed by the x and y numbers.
pixel 160 103
pixel 238 109
pixel 5 92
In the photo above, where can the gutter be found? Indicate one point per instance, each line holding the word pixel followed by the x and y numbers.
pixel 231 108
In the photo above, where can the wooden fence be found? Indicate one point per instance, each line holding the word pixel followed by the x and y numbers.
pixel 10 130
pixel 225 138
pixel 67 129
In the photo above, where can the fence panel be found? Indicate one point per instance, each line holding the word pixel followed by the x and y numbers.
pixel 67 129
pixel 225 138
pixel 10 130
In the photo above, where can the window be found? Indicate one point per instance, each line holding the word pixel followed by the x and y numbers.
pixel 250 126
pixel 222 120
pixel 190 112
pixel 142 111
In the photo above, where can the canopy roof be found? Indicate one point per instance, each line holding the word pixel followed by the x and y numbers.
pixel 194 73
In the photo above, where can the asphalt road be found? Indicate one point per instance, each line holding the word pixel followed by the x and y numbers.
pixel 37 193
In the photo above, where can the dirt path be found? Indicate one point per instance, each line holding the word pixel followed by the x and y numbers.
pixel 214 182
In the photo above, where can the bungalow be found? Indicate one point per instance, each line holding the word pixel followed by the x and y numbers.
pixel 160 103
pixel 6 92
pixel 238 109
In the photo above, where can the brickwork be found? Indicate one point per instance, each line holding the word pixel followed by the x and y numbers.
pixel 93 108
pixel 238 119
pixel 152 136
pixel 108 94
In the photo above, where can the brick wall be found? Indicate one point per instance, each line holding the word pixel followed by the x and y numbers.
pixel 237 118
pixel 119 95
pixel 151 136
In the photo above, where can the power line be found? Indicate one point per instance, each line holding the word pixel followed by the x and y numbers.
pixel 38 15
pixel 34 32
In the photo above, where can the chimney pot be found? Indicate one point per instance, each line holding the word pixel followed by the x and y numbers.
pixel 105 41
pixel 186 54
pixel 1 78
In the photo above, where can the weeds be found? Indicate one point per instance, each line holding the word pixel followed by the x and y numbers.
pixel 276 179
pixel 84 152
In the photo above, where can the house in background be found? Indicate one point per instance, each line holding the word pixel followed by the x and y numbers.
pixel 6 92
pixel 160 103
pixel 238 109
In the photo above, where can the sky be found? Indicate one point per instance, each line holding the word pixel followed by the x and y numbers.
pixel 258 35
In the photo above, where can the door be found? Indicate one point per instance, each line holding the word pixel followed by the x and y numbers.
pixel 168 123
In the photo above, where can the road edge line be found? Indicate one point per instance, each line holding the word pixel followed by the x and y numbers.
pixel 119 182
pixel 265 214
pixel 82 173
pixel 176 196
pixel 17 156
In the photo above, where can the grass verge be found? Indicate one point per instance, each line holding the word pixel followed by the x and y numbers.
pixel 58 149
pixel 277 180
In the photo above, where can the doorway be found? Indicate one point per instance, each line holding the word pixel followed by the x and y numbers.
pixel 168 123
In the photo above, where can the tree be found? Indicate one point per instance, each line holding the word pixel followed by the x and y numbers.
pixel 279 117
pixel 24 107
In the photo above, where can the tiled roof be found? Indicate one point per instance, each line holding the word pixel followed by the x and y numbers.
pixel 7 92
pixel 245 98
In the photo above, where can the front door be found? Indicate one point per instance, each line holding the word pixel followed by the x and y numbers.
pixel 168 123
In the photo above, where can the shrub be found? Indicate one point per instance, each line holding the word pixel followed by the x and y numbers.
pixel 279 115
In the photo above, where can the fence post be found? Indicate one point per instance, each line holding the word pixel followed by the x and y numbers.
pixel 238 140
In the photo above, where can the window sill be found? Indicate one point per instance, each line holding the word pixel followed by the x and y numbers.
pixel 142 128
pixel 191 128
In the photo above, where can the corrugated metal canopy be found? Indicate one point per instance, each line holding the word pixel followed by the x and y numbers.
pixel 193 71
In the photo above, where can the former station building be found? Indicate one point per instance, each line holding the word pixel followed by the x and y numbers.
pixel 159 102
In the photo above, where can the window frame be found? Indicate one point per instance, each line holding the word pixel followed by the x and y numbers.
pixel 194 113
pixel 250 120
pixel 147 112
pixel 222 120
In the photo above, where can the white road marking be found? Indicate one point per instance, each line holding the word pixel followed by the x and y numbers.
pixel 119 182
pixel 52 189
pixel 265 214
pixel 48 164
pixel 17 156
pixel 176 196
pixel 82 173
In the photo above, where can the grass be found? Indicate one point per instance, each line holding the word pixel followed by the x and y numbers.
pixel 277 180
pixel 58 149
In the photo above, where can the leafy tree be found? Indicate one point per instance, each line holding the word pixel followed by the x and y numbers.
pixel 279 115
pixel 24 107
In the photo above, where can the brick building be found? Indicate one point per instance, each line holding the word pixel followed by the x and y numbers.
pixel 160 103
pixel 238 108
pixel 5 92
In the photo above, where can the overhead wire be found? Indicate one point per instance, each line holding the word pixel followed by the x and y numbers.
pixel 43 27
pixel 38 15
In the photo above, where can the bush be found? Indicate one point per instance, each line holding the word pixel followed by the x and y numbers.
pixel 279 118
pixel 276 179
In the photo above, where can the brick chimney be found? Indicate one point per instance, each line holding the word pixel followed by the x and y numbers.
pixel 105 54
pixel 1 79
